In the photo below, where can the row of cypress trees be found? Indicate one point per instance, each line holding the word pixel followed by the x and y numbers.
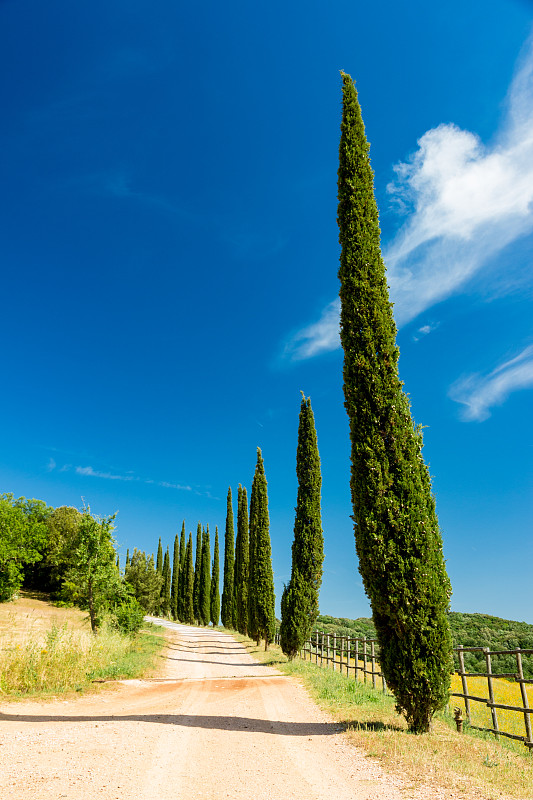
pixel 397 536
pixel 191 593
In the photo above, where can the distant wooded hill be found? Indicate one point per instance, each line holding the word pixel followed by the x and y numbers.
pixel 470 630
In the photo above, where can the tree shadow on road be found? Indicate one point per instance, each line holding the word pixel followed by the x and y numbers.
pixel 249 724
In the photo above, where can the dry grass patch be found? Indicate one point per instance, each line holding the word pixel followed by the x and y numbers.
pixel 46 650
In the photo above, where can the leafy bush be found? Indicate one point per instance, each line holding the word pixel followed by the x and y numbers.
pixel 128 616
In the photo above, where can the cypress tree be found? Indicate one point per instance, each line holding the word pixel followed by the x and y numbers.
pixel 174 592
pixel 261 599
pixel 397 537
pixel 205 579
pixel 165 588
pixel 182 581
pixel 197 571
pixel 127 557
pixel 159 562
pixel 228 608
pixel 299 603
pixel 188 607
pixel 159 570
pixel 215 591
pixel 241 563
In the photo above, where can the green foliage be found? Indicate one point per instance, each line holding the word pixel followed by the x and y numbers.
pixel 240 598
pixel 174 590
pixel 396 531
pixel 145 583
pixel 205 579
pixel 128 616
pixel 228 590
pixel 346 627
pixel 182 580
pixel 482 630
pixel 92 581
pixel 215 592
pixel 23 535
pixel 188 586
pixel 197 573
pixel 164 602
pixel 261 599
pixel 299 603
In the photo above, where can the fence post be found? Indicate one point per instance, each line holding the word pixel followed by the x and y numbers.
pixel 463 681
pixel 356 656
pixel 316 647
pixel 334 650
pixel 348 651
pixel 365 662
pixel 373 656
pixel 327 650
pixel 490 686
pixel 525 702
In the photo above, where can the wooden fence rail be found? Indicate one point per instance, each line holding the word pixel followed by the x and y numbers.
pixel 359 656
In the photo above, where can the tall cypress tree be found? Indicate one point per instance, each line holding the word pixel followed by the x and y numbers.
pixel 299 603
pixel 159 570
pixel 165 588
pixel 215 578
pixel 228 607
pixel 174 591
pixel 261 599
pixel 240 602
pixel 397 537
pixel 197 573
pixel 188 571
pixel 182 581
pixel 205 579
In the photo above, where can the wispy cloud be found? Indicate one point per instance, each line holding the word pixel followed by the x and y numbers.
pixel 90 472
pixel 93 473
pixel 320 337
pixel 479 393
pixel 463 202
pixel 425 330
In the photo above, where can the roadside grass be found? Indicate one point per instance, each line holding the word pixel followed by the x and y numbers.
pixel 46 658
pixel 472 764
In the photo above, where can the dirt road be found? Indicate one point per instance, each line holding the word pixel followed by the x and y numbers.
pixel 218 725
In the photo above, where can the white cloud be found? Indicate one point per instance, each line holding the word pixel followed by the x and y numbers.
pixel 89 471
pixel 480 393
pixel 464 203
pixel 320 337
pixel 425 330
pixel 93 473
pixel 50 467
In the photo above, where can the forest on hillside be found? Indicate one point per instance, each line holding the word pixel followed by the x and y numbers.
pixel 469 630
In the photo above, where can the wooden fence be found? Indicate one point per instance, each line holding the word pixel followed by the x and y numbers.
pixel 359 657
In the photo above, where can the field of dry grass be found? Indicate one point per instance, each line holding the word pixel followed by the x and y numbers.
pixel 49 650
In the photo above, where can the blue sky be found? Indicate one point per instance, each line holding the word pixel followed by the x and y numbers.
pixel 170 253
